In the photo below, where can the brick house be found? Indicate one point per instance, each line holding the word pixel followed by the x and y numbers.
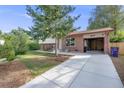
pixel 83 41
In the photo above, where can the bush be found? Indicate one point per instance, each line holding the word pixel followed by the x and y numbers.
pixel 34 46
pixel 22 49
pixel 8 51
pixel 1 51
pixel 11 55
pixel 118 37
pixel 16 42
pixel 20 41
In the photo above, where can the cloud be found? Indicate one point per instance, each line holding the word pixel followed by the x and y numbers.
pixel 27 16
pixel 23 15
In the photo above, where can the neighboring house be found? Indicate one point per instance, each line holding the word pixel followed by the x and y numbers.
pixel 82 41
pixel 2 42
pixel 48 44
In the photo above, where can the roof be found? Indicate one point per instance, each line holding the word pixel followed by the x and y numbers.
pixel 91 31
pixel 47 41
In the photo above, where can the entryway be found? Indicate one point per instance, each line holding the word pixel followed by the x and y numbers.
pixel 94 45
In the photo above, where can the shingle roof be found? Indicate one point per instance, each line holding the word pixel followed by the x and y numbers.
pixel 91 31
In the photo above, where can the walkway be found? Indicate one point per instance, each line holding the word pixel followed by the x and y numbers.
pixel 80 71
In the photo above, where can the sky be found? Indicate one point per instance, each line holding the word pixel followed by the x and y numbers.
pixel 13 16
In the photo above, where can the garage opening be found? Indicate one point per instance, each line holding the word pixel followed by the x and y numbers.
pixel 94 44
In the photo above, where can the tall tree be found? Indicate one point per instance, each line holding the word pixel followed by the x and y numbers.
pixel 51 21
pixel 107 16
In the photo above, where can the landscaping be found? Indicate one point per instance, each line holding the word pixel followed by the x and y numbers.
pixel 119 65
pixel 26 67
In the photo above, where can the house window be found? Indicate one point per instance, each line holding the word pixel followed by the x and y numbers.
pixel 70 41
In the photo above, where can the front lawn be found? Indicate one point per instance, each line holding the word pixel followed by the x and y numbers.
pixel 38 64
pixel 26 67
pixel 119 64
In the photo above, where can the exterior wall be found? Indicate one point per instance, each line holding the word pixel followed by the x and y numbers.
pixel 94 35
pixel 120 45
pixel 106 43
pixel 78 44
pixel 79 41
pixel 47 47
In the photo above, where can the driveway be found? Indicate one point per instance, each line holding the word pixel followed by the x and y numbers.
pixel 80 71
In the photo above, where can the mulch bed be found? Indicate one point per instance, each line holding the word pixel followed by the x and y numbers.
pixel 119 65
pixel 61 58
pixel 14 74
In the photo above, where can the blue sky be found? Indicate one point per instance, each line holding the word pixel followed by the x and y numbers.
pixel 12 17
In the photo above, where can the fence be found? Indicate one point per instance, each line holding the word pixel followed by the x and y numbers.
pixel 120 45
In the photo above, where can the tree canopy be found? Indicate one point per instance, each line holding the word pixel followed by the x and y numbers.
pixel 107 16
pixel 51 21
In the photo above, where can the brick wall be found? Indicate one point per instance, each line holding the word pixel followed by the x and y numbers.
pixel 78 44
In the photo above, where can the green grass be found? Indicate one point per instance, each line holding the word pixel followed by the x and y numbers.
pixel 40 53
pixel 38 62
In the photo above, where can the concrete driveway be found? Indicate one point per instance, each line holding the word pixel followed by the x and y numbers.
pixel 80 71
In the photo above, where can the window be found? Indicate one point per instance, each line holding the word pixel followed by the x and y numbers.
pixel 70 41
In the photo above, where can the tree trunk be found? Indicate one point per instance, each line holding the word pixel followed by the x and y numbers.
pixel 56 47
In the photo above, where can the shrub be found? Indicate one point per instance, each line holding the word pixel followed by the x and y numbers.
pixel 118 37
pixel 34 46
pixel 16 42
pixel 11 55
pixel 20 41
pixel 22 49
pixel 1 51
pixel 8 51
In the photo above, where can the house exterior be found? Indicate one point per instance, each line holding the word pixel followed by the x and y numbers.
pixel 48 44
pixel 83 41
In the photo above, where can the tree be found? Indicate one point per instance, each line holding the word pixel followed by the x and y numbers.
pixel 51 21
pixel 9 52
pixel 20 40
pixel 107 16
pixel 8 49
